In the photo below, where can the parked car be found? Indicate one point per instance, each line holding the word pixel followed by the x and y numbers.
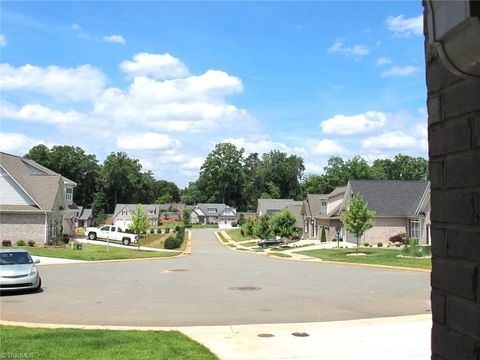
pixel 234 224
pixel 110 232
pixel 267 242
pixel 18 271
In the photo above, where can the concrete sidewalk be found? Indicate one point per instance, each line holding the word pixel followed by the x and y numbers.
pixel 393 338
pixel 44 260
pixel 397 338
pixel 114 244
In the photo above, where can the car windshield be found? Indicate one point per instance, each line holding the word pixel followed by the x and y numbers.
pixel 15 258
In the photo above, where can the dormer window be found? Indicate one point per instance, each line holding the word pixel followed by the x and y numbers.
pixel 151 212
pixel 212 210
pixel 124 212
pixel 323 207
pixel 69 194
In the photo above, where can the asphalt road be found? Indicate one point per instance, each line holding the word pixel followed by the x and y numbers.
pixel 203 289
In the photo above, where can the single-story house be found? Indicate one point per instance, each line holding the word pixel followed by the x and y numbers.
pixel 36 203
pixel 212 214
pixel 401 207
pixel 84 217
pixel 122 216
pixel 272 206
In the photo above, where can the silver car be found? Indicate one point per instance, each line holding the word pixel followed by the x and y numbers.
pixel 18 271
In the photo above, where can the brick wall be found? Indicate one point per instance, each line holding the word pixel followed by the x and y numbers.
pixel 384 228
pixel 22 227
pixel 454 142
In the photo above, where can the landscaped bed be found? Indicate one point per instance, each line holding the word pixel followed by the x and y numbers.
pixel 374 256
pixel 94 252
pixel 27 343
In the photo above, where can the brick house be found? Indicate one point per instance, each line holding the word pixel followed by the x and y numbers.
pixel 36 203
pixel 401 207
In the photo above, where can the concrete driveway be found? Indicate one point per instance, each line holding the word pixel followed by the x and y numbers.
pixel 217 286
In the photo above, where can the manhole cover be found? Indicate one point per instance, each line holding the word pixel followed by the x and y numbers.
pixel 300 334
pixel 265 335
pixel 245 288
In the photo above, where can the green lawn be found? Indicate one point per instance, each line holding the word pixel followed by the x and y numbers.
pixel 249 244
pixel 93 252
pixel 279 254
pixel 26 343
pixel 236 235
pixel 374 256
pixel 158 240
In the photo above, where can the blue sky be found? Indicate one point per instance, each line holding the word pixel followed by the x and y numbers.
pixel 164 82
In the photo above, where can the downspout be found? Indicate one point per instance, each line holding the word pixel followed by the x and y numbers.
pixel 46 228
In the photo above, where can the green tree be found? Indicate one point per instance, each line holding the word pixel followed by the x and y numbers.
pixel 186 217
pixel 357 219
pixel 140 223
pixel 164 199
pixel 73 163
pixel 249 228
pixel 284 224
pixel 222 175
pixel 262 228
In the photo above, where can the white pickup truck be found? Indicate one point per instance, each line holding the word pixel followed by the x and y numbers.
pixel 110 232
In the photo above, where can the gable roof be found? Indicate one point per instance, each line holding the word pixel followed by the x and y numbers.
pixel 42 185
pixel 296 209
pixel 85 214
pixel 131 208
pixel 312 204
pixel 390 197
pixel 219 208
pixel 273 205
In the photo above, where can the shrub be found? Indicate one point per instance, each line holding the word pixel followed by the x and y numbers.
pixel 380 244
pixel 170 243
pixel 241 220
pixel 31 243
pixel 366 244
pixel 159 231
pixel 65 239
pixel 20 243
pixel 399 238
pixel 323 237
pixel 6 243
pixel 413 249
pixel 152 231
pixel 167 230
pixel 177 228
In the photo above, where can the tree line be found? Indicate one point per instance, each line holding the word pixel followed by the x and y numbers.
pixel 228 175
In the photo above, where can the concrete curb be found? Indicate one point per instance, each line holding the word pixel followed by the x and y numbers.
pixel 316 260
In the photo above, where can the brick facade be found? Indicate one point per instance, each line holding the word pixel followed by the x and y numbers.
pixel 454 150
pixel 22 227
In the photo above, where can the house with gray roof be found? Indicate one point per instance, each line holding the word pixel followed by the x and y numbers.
pixel 84 217
pixel 401 207
pixel 212 214
pixel 35 203
pixel 122 215
pixel 272 206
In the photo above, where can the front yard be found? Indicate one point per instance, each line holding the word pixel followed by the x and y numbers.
pixel 374 256
pixel 27 343
pixel 236 235
pixel 93 252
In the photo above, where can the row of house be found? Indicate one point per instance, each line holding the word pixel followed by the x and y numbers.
pixel 401 207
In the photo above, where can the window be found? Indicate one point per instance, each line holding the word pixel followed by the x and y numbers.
pixel 323 207
pixel 151 212
pixel 113 228
pixel 415 230
pixel 69 193
pixel 124 212
pixel 212 210
pixel 105 228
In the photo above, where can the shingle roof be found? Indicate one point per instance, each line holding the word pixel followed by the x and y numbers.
pixel 145 207
pixel 272 205
pixel 218 207
pixel 85 214
pixel 40 183
pixel 391 197
pixel 296 209
pixel 313 204
pixel 337 191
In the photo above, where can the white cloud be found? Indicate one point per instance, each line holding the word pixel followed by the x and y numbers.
pixel 383 61
pixel 400 71
pixel 81 83
pixel 157 66
pixel 356 52
pixel 38 113
pixel 114 39
pixel 262 145
pixel 355 124
pixel 405 26
pixel 147 141
pixel 395 140
pixel 314 168
pixel 3 40
pixel 15 143
pixel 328 147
